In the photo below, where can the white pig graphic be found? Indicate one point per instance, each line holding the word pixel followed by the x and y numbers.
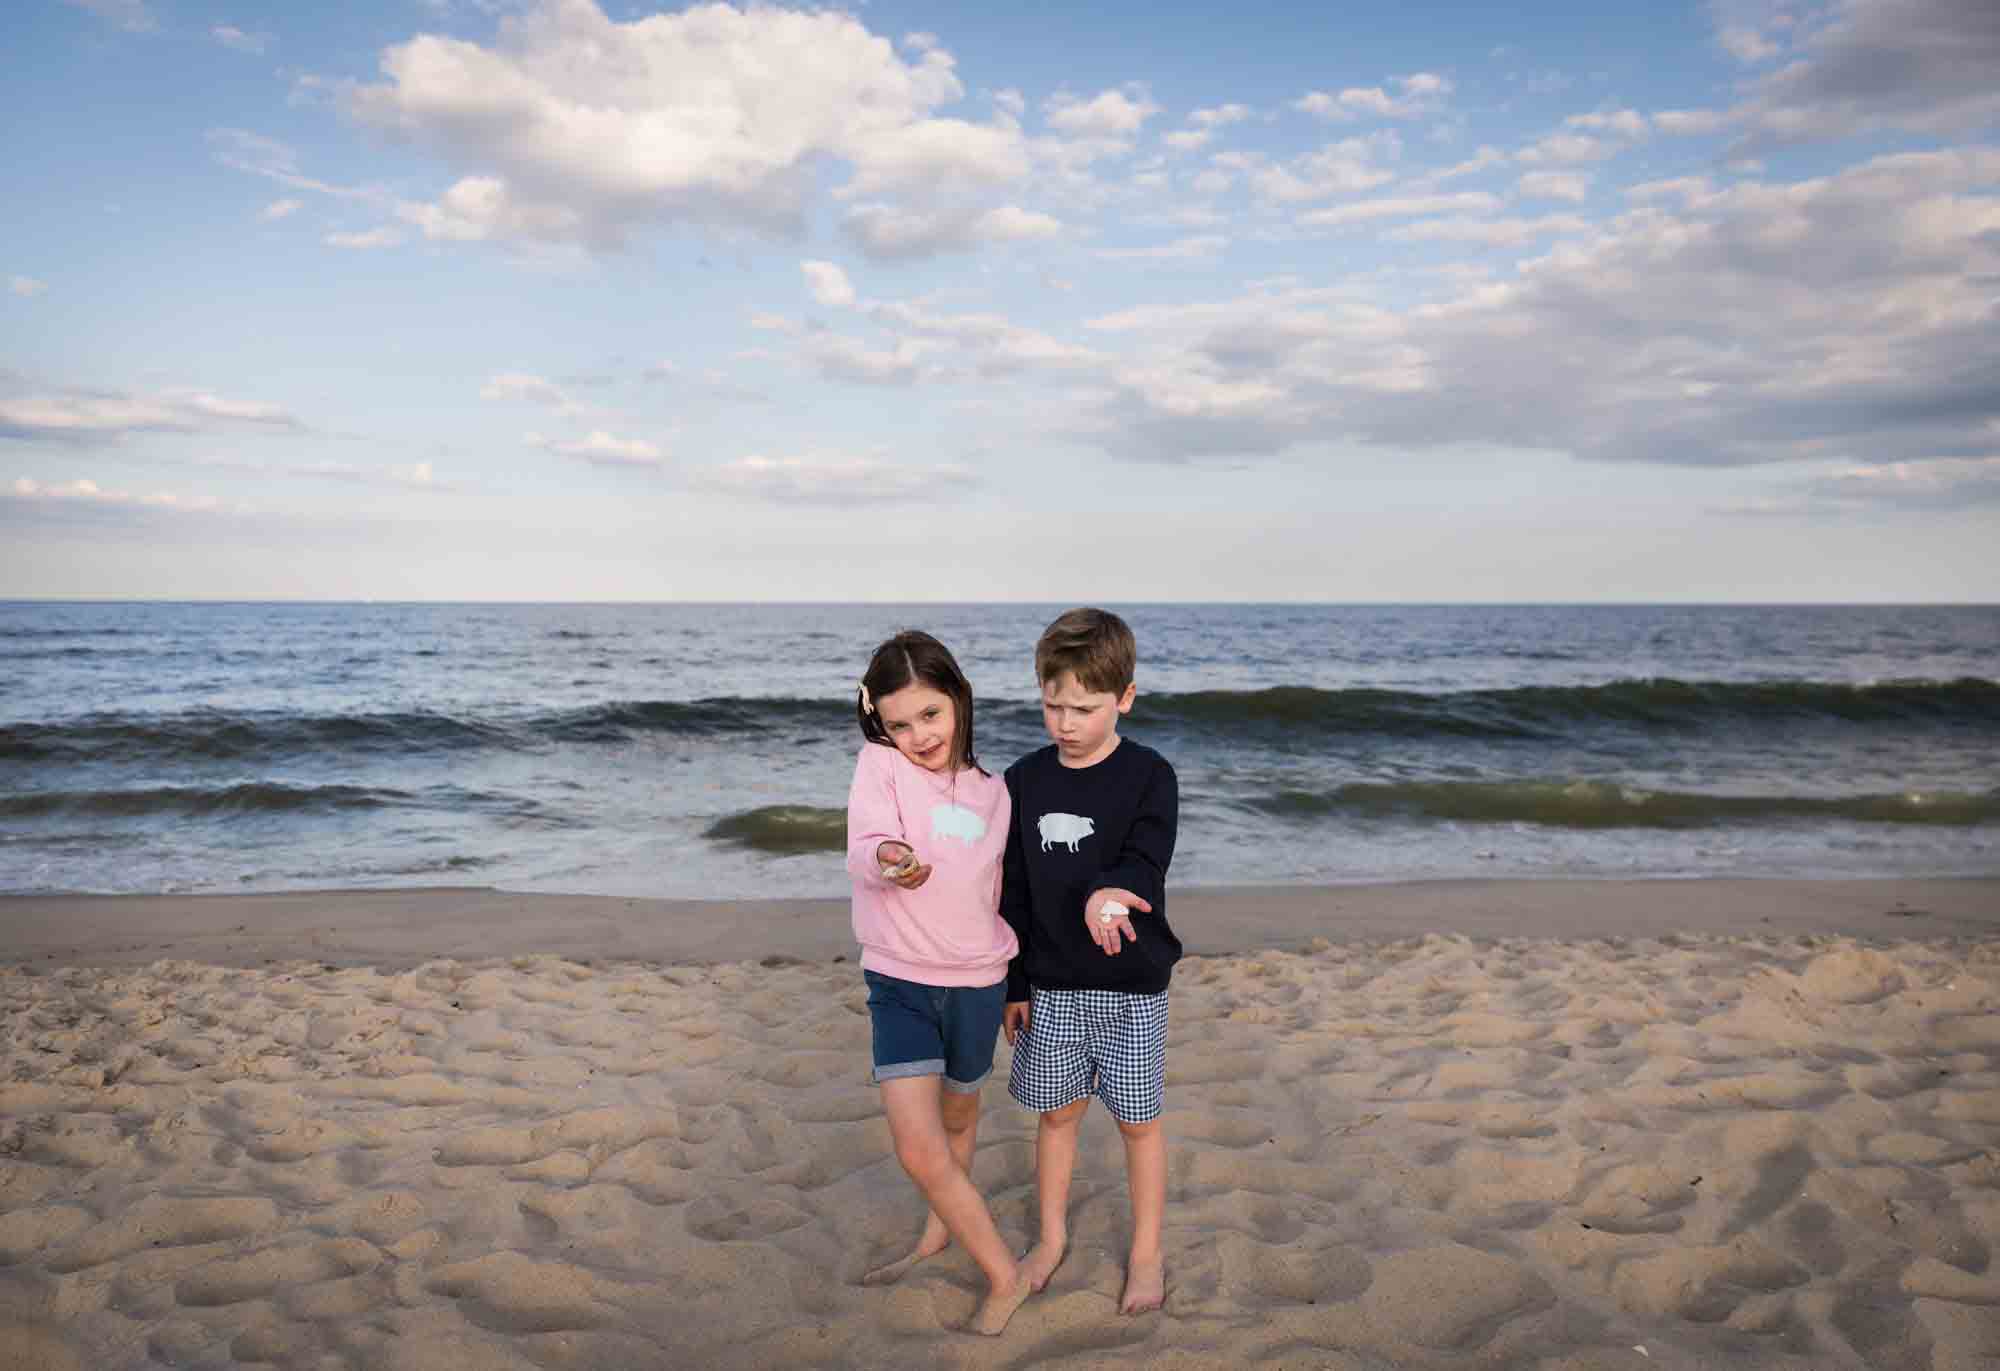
pixel 1064 829
pixel 956 821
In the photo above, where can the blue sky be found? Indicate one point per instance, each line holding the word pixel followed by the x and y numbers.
pixel 465 299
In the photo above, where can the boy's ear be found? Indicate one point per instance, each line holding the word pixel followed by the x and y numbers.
pixel 1125 700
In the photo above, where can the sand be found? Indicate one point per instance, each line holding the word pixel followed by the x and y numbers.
pixel 1558 1127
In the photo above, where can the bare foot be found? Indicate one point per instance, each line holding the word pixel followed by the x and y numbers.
pixel 934 1241
pixel 1041 1262
pixel 1145 1286
pixel 1000 1306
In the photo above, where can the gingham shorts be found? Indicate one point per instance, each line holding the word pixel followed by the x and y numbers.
pixel 1105 1042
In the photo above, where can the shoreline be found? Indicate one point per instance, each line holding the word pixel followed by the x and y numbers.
pixel 406 926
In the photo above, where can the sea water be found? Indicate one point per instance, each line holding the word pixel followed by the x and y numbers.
pixel 705 750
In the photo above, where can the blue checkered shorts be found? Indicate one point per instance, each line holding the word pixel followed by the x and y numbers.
pixel 1109 1043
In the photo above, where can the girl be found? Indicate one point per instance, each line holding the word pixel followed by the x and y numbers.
pixel 926 827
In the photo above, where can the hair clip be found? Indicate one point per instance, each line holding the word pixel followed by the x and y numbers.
pixel 867 700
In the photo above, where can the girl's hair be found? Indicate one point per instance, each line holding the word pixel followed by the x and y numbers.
pixel 916 658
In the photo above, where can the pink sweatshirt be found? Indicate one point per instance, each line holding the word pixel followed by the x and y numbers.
pixel 950 931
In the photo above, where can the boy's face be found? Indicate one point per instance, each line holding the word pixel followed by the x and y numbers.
pixel 1083 723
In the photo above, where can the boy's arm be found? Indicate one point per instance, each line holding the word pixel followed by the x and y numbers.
pixel 1148 846
pixel 872 816
pixel 1014 901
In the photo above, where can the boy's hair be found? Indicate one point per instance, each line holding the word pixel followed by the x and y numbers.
pixel 1095 644
pixel 913 657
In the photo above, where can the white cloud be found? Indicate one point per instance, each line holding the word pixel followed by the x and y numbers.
pixel 90 493
pixel 1205 122
pixel 1416 95
pixel 1687 189
pixel 1467 202
pixel 1923 66
pixel 937 154
pixel 213 406
pixel 1483 160
pixel 535 390
pixel 1567 149
pixel 1347 167
pixel 1624 123
pixel 841 358
pixel 1746 44
pixel 1946 484
pixel 575 128
pixel 241 150
pixel 134 16
pixel 1510 233
pixel 26 285
pixel 386 236
pixel 994 344
pixel 1704 327
pixel 1110 114
pixel 1219 116
pixel 1181 249
pixel 232 37
pixel 828 283
pixel 418 476
pixel 1690 123
pixel 280 209
pixel 78 416
pixel 603 449
pixel 1554 185
pixel 845 481
pixel 887 233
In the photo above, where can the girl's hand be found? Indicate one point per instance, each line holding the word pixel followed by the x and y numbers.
pixel 900 865
pixel 1014 1020
pixel 1108 916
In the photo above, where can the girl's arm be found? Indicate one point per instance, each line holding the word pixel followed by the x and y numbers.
pixel 873 817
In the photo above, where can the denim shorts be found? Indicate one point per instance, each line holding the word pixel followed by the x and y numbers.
pixel 934 1030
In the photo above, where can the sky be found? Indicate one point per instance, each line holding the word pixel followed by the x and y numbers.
pixel 474 299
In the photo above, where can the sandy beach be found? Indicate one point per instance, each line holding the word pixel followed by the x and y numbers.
pixel 1566 1126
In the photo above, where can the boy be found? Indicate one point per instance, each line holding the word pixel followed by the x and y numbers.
pixel 1084 887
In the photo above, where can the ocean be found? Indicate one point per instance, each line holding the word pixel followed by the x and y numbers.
pixel 705 750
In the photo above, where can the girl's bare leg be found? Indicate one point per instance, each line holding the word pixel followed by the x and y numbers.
pixel 1055 1160
pixel 916 1123
pixel 960 1113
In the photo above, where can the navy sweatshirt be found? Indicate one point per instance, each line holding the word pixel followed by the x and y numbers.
pixel 1080 829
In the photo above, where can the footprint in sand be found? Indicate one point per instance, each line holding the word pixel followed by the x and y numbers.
pixel 724 1218
pixel 1452 1298
pixel 1292 1273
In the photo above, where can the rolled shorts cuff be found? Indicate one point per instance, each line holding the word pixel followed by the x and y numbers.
pixel 965 1087
pixel 896 1071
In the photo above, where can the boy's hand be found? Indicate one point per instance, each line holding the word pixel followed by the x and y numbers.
pixel 900 865
pixel 1108 916
pixel 1014 1020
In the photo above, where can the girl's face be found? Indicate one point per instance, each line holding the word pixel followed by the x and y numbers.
pixel 921 722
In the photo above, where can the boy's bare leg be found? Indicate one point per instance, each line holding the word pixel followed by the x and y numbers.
pixel 1146 1177
pixel 960 1113
pixel 1055 1159
pixel 916 1123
